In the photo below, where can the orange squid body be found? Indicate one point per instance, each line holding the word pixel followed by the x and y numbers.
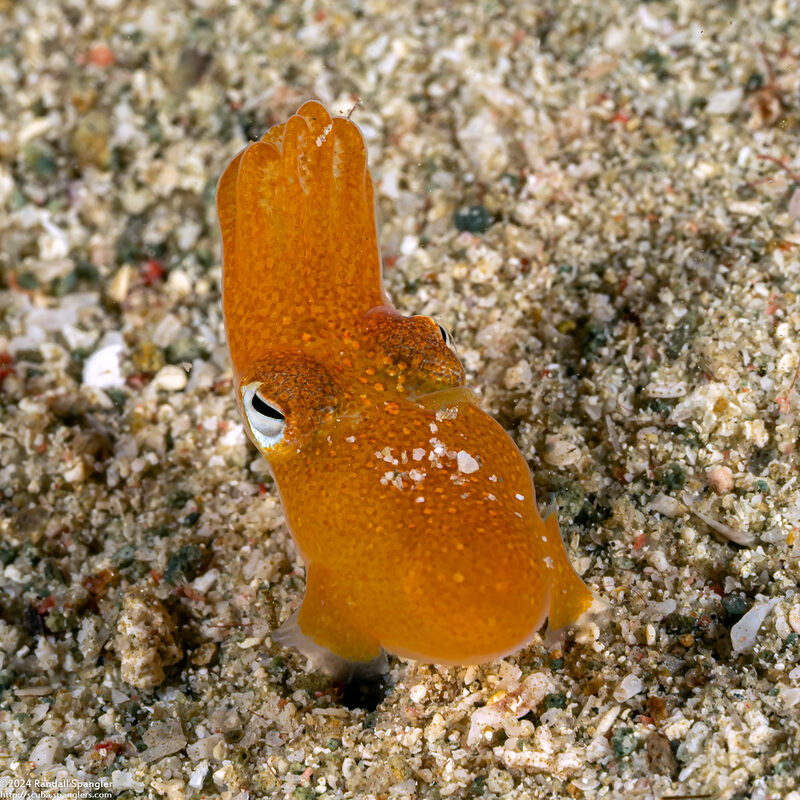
pixel 413 510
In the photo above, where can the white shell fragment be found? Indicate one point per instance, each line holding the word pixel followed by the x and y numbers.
pixel 46 752
pixel 790 697
pixel 743 538
pixel 505 711
pixel 122 779
pixel 743 633
pixel 667 390
pixel 102 370
pixel 466 463
pixel 198 775
pixel 666 505
pixel 163 739
pixel 628 687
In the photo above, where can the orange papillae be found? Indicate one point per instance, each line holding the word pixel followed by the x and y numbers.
pixel 413 510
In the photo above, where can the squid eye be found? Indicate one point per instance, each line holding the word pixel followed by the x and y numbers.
pixel 447 337
pixel 265 419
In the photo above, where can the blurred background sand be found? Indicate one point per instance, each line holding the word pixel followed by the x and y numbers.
pixel 601 201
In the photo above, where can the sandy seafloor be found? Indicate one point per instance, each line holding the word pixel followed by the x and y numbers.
pixel 626 305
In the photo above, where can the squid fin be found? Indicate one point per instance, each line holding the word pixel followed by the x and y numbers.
pixel 570 596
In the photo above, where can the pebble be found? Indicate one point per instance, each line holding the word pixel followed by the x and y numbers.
pixel 121 283
pixel 178 282
pixel 146 640
pixel 560 452
pixel 166 331
pixel 484 144
pixel 499 781
pixel 198 775
pixel 203 748
pixel 417 693
pixel 147 358
pixel 650 634
pixel 170 378
pixel 518 376
pixel 474 219
pixel 725 102
pixel 720 479
pixel 794 204
pixel 184 348
pixel 657 559
pixel 187 234
pixel 794 618
pixel 90 140
pixel 76 473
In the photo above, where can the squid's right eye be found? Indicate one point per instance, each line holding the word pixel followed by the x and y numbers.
pixel 447 337
pixel 266 420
